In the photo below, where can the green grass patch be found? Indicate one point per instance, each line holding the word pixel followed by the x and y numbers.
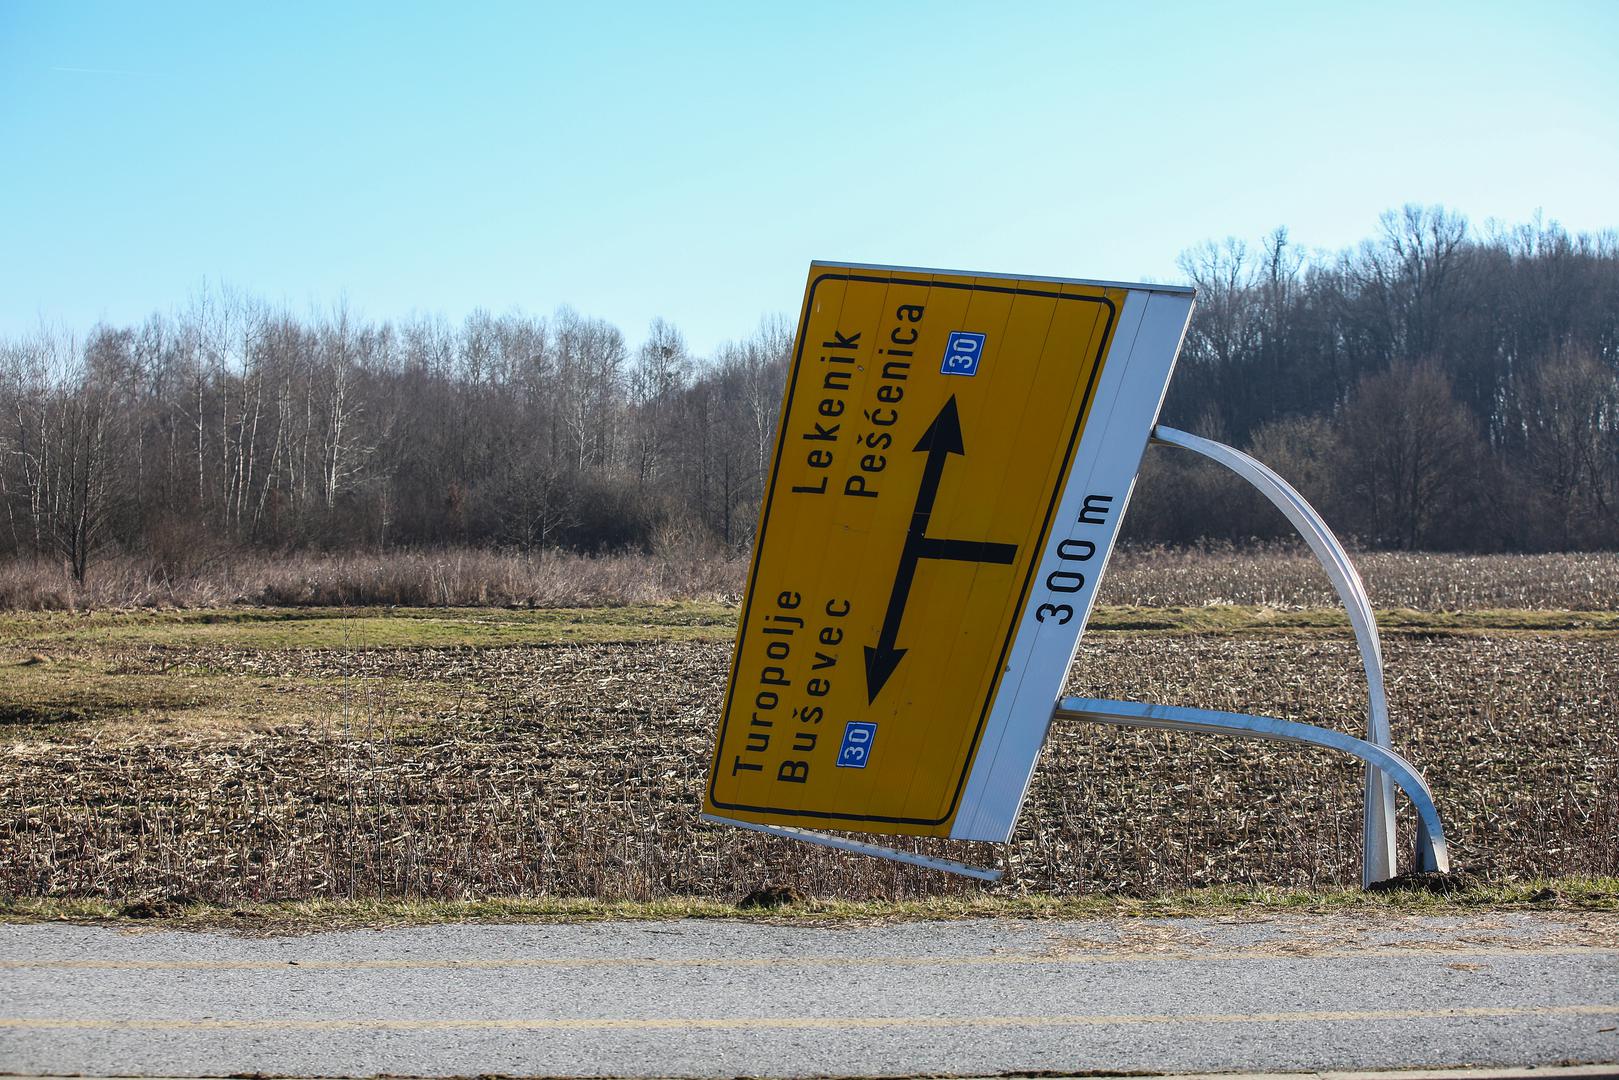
pixel 371 628
pixel 402 628
pixel 1568 894
pixel 36 694
pixel 39 699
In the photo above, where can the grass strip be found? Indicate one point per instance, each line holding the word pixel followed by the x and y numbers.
pixel 395 628
pixel 1564 894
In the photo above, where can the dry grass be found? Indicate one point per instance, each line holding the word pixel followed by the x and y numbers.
pixel 460 577
pixel 449 773
pixel 1278 576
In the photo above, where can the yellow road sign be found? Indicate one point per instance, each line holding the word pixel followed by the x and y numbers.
pixel 907 562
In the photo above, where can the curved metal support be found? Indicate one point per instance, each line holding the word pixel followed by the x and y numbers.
pixel 1432 852
pixel 1379 862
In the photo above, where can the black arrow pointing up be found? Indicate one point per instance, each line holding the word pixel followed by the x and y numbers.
pixel 939 441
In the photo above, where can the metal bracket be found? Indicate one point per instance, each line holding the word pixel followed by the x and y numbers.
pixel 810 836
pixel 1378 862
pixel 1432 852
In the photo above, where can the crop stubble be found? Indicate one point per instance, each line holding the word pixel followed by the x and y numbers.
pixel 575 770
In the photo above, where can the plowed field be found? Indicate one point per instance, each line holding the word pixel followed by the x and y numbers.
pixel 226 767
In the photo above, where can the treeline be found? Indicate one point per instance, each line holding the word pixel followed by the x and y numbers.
pixel 234 424
pixel 1433 388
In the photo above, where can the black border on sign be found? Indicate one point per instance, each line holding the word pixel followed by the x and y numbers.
pixel 1028 580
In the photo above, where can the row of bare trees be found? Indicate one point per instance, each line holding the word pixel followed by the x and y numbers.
pixel 233 423
pixel 1435 387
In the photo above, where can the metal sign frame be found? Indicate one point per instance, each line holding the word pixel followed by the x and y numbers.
pixel 1001 793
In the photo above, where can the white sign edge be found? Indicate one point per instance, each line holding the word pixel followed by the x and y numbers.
pixel 1135 377
pixel 1133 286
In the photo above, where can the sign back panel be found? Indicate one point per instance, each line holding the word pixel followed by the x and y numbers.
pixel 925 560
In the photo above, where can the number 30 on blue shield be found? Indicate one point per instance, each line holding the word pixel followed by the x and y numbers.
pixel 962 353
pixel 856 749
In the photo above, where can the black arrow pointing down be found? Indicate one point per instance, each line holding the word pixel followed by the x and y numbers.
pixel 940 440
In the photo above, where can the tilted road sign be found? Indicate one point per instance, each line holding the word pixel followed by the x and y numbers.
pixel 955 453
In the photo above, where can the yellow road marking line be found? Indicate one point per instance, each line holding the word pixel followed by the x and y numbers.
pixel 986 959
pixel 743 1023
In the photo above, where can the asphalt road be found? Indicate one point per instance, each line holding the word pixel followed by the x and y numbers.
pixel 734 998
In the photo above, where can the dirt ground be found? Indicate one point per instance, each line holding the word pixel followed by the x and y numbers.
pixel 227 773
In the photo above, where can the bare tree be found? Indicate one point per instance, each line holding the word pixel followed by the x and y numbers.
pixel 656 379
pixel 65 443
pixel 1570 407
pixel 1407 451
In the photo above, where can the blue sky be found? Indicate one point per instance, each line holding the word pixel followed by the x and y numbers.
pixel 688 161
